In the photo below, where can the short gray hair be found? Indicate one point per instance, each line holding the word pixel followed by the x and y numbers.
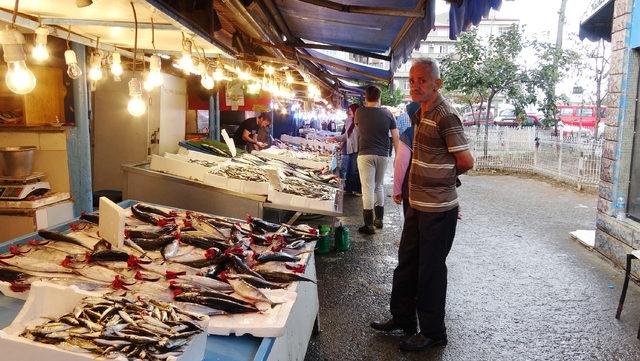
pixel 431 64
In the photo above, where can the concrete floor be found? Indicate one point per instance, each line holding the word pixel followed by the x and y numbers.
pixel 519 287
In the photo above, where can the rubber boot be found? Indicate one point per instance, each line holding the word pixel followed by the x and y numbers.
pixel 367 214
pixel 379 215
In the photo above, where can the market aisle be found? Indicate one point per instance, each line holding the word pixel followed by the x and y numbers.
pixel 519 288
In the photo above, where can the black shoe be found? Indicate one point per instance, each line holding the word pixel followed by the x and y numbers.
pixel 379 211
pixel 419 342
pixel 393 325
pixel 367 214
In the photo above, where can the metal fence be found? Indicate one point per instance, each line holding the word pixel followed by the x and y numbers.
pixel 575 160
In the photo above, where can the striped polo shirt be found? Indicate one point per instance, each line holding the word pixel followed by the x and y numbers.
pixel 432 178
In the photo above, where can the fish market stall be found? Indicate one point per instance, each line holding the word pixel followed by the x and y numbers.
pixel 272 246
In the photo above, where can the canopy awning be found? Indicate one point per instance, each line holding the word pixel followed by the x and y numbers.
pixel 598 25
pixel 386 29
pixel 468 13
pixel 351 70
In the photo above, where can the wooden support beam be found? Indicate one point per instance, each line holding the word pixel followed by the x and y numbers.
pixel 410 13
pixel 407 25
pixel 120 24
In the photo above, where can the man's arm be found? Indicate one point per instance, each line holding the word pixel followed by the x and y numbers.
pixel 395 139
pixel 246 136
pixel 464 161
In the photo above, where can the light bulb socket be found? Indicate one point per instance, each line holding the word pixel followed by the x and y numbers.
pixel 41 35
pixel 70 57
pixel 155 63
pixel 12 41
pixel 135 87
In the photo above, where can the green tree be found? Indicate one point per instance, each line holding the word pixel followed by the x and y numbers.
pixel 390 98
pixel 483 70
pixel 551 65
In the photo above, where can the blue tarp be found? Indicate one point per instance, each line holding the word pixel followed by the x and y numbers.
pixel 375 33
pixel 598 25
pixel 470 12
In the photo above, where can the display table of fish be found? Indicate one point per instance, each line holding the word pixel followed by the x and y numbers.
pixel 202 263
pixel 64 323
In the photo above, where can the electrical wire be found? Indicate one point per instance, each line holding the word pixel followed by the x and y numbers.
pixel 135 41
pixel 15 13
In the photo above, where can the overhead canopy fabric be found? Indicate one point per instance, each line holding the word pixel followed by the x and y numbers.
pixel 598 25
pixel 351 70
pixel 470 12
pixel 367 32
pixel 395 35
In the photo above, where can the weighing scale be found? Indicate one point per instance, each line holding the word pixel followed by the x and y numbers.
pixel 17 188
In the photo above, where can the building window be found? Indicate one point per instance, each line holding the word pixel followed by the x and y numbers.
pixel 405 84
pixel 503 29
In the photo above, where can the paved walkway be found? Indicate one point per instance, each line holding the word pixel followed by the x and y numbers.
pixel 519 287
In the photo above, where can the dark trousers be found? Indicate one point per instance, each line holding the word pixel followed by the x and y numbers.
pixel 420 279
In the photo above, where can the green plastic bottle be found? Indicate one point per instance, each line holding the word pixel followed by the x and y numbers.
pixel 324 243
pixel 341 238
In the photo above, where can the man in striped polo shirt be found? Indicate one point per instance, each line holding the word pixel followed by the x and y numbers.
pixel 440 154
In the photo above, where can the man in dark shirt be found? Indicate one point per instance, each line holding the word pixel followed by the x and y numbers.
pixel 374 124
pixel 246 137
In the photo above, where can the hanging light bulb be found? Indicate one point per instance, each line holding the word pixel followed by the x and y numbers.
pixel 73 69
pixel 146 84
pixel 206 80
pixel 136 106
pixel 116 65
pixel 95 71
pixel 218 75
pixel 186 61
pixel 269 70
pixel 40 51
pixel 19 78
pixel 155 75
pixel 289 77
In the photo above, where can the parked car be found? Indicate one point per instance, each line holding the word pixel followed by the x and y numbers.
pixel 580 116
pixel 530 120
pixel 476 118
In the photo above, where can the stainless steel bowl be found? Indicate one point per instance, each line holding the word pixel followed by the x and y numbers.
pixel 16 161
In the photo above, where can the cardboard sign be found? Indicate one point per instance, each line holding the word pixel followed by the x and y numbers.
pixel 112 218
pixel 274 178
pixel 230 143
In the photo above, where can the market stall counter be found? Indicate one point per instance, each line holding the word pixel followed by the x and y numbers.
pixel 302 320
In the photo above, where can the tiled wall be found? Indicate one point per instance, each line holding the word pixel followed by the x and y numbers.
pixel 615 239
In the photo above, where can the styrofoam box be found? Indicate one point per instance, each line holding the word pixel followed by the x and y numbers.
pixel 157 163
pixel 237 185
pixel 173 164
pixel 314 143
pixel 282 198
pixel 268 323
pixel 50 300
pixel 192 154
pixel 302 162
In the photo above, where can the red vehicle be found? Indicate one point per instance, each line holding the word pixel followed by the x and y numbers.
pixel 476 118
pixel 579 115
pixel 530 120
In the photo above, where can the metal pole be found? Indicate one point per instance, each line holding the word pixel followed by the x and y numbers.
pixel 214 116
pixel 78 143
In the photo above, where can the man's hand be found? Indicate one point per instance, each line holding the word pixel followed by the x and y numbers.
pixel 397 198
pixel 261 145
